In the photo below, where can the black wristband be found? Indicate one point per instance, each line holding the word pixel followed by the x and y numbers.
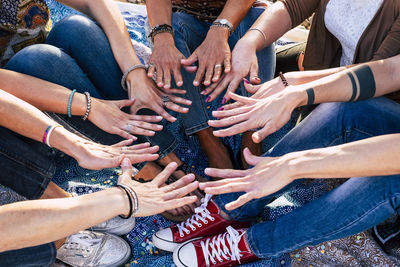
pixel 160 29
pixel 130 202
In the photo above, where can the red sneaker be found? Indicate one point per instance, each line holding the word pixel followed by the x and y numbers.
pixel 228 249
pixel 205 222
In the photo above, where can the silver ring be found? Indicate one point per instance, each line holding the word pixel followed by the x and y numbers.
pixel 128 128
pixel 217 66
pixel 165 99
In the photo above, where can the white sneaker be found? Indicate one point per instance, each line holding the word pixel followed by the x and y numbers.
pixel 90 249
pixel 116 225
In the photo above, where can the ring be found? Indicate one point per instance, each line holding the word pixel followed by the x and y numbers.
pixel 151 65
pixel 128 128
pixel 165 99
pixel 217 66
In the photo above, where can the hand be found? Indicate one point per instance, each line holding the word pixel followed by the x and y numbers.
pixel 94 156
pixel 244 63
pixel 164 62
pixel 268 176
pixel 155 197
pixel 147 95
pixel 212 55
pixel 107 115
pixel 269 114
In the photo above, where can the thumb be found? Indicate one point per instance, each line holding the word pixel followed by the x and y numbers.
pixel 254 74
pixel 126 167
pixel 190 60
pixel 261 134
pixel 126 103
pixel 252 89
pixel 250 158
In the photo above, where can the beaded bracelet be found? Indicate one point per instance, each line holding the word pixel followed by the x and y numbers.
pixel 283 79
pixel 70 102
pixel 160 29
pixel 134 67
pixel 89 105
pixel 47 133
pixel 133 201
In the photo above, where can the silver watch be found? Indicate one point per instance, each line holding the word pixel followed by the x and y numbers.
pixel 223 23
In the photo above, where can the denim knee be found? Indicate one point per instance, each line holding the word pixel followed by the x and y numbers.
pixel 43 255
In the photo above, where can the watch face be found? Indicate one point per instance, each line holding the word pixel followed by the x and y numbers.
pixel 223 21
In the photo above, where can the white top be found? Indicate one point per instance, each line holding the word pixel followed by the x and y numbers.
pixel 347 20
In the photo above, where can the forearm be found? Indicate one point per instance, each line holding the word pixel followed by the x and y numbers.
pixel 159 12
pixel 31 223
pixel 370 157
pixel 235 10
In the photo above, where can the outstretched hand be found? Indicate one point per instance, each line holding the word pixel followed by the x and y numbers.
pixel 268 176
pixel 155 197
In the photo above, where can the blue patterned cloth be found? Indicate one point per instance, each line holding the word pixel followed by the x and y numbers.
pixel 144 253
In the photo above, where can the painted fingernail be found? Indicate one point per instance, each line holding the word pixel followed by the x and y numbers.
pixel 223 101
pixel 246 81
pixel 257 79
pixel 203 92
pixel 208 99
pixel 220 108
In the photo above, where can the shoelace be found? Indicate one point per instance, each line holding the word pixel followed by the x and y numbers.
pixel 201 214
pixel 82 242
pixel 228 252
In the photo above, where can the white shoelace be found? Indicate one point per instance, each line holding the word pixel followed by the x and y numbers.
pixel 228 252
pixel 82 242
pixel 201 214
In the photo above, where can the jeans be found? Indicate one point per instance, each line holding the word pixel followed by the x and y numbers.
pixel 77 55
pixel 43 255
pixel 189 34
pixel 354 206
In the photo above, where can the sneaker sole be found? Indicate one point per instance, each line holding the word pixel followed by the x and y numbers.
pixel 164 244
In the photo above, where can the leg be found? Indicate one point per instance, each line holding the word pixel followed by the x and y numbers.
pixel 328 125
pixel 353 207
pixel 43 255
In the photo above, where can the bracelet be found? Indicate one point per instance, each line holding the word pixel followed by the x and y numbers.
pixel 160 29
pixel 47 133
pixel 283 79
pixel 70 102
pixel 263 34
pixel 89 105
pixel 134 67
pixel 133 199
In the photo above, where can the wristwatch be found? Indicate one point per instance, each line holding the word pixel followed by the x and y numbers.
pixel 223 23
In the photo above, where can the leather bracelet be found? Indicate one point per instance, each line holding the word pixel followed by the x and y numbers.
pixel 89 105
pixel 134 67
pixel 160 29
pixel 130 202
pixel 283 79
pixel 133 200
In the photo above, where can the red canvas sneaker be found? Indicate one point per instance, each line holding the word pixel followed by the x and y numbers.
pixel 227 249
pixel 205 222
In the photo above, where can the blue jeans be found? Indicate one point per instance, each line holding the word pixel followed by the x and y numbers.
pixel 43 255
pixel 354 206
pixel 189 34
pixel 77 55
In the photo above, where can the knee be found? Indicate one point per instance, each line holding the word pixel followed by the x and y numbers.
pixel 34 57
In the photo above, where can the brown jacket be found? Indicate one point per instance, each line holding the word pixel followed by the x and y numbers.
pixel 381 38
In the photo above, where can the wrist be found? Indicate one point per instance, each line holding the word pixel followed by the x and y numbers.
pixel 163 38
pixel 64 141
pixel 124 207
pixel 296 96
pixel 218 32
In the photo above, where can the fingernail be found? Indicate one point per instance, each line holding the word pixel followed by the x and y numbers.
pixel 208 99
pixel 223 100
pixel 220 108
pixel 185 109
pixel 152 132
pixel 246 81
pixel 159 118
pixel 159 127
pixel 203 92
pixel 125 162
pixel 257 79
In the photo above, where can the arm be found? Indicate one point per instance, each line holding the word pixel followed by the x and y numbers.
pixel 57 218
pixel 272 111
pixel 22 118
pixel 272 174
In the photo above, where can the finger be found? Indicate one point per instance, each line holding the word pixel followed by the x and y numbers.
pixel 134 158
pixel 163 176
pixel 140 146
pixel 172 106
pixel 227 63
pixel 167 78
pixel 123 143
pixel 221 87
pixel 235 129
pixel 126 167
pixel 208 75
pixel 180 100
pixel 146 125
pixel 199 75
pixel 231 112
pixel 174 91
pixel 233 186
pixel 233 85
pixel 231 106
pixel 177 76
pixel 229 120
pixel 261 134
pixel 150 71
pixel 243 199
pixel 123 134
pixel 190 68
pixel 224 173
pixel 250 158
pixel 179 183
pixel 148 150
pixel 176 203
pixel 209 89
pixel 217 73
pixel 252 89
pixel 140 131
pixel 159 78
pixel 161 111
pixel 126 103
pixel 190 60
pixel 254 74
pixel 147 118
pixel 242 99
